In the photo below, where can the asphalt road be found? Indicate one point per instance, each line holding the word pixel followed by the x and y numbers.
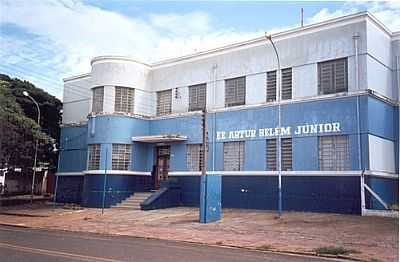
pixel 23 244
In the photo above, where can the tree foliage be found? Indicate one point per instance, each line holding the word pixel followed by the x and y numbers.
pixel 18 127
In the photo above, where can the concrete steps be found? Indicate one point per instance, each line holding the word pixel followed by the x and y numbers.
pixel 133 202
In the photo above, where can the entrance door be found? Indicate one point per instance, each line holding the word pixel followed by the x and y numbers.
pixel 162 165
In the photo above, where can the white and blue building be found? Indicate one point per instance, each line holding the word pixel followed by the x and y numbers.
pixel 141 123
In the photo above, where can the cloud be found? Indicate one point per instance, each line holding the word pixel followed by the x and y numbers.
pixel 388 12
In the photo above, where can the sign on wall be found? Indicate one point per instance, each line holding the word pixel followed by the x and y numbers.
pixel 300 130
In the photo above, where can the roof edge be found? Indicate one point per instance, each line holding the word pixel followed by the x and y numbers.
pixel 76 77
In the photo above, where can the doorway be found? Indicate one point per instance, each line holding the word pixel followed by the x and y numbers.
pixel 162 165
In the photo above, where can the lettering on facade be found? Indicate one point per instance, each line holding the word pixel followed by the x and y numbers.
pixel 300 130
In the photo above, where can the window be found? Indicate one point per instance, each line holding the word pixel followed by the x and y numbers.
pixel 164 99
pixel 121 155
pixel 332 76
pixel 98 97
pixel 334 153
pixel 194 157
pixel 286 154
pixel 234 156
pixel 235 91
pixel 286 83
pixel 94 157
pixel 271 86
pixel 197 97
pixel 124 98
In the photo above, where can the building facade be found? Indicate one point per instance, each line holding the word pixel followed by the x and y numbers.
pixel 131 127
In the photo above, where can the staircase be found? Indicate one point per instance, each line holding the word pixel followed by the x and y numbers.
pixel 133 202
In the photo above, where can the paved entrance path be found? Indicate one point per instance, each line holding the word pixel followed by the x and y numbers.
pixel 370 237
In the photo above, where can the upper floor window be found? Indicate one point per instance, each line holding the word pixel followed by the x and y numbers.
pixel 94 157
pixel 234 156
pixel 194 157
pixel 124 99
pixel 164 100
pixel 235 91
pixel 197 97
pixel 98 98
pixel 286 83
pixel 334 153
pixel 332 76
pixel 271 86
pixel 121 156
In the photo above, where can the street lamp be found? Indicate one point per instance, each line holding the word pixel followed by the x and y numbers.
pixel 25 93
pixel 278 86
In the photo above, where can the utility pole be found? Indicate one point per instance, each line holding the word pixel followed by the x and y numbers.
pixel 205 142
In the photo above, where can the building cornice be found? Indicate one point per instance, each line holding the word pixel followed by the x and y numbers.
pixel 116 59
pixel 76 77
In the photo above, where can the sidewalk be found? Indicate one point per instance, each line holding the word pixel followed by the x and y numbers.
pixel 368 238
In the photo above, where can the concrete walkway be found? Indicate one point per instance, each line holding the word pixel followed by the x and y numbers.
pixel 368 238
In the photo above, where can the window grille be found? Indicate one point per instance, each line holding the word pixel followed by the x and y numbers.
pixel 194 157
pixel 164 100
pixel 235 91
pixel 121 155
pixel 332 76
pixel 124 99
pixel 98 98
pixel 334 153
pixel 286 83
pixel 271 154
pixel 94 157
pixel 234 156
pixel 286 153
pixel 271 86
pixel 197 97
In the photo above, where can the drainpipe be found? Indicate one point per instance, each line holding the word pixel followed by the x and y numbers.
pixel 356 38
pixel 215 117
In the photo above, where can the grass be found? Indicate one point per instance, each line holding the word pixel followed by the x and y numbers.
pixel 331 250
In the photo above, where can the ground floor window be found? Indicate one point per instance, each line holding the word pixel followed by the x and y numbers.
pixel 121 155
pixel 334 153
pixel 286 154
pixel 94 157
pixel 234 156
pixel 194 157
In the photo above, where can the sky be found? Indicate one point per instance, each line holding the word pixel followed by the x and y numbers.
pixel 44 41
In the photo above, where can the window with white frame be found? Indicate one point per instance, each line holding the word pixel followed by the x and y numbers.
pixel 286 154
pixel 94 157
pixel 98 98
pixel 124 99
pixel 334 153
pixel 121 156
pixel 286 83
pixel 332 76
pixel 164 101
pixel 235 91
pixel 234 156
pixel 194 157
pixel 197 97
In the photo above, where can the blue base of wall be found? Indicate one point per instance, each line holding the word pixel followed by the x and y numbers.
pixel 386 188
pixel 69 189
pixel 332 194
pixel 118 188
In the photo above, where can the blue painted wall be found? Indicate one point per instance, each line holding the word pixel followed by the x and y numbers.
pixel 386 188
pixel 73 149
pixel 69 189
pixel 118 187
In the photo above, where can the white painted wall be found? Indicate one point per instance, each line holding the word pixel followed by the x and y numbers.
pixel 77 100
pixel 256 89
pixel 381 154
pixel 180 100
pixel 145 103
pixel 380 78
pixel 305 81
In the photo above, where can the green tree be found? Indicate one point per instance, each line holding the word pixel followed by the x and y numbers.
pixel 18 127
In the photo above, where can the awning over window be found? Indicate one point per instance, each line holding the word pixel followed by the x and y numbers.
pixel 159 138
